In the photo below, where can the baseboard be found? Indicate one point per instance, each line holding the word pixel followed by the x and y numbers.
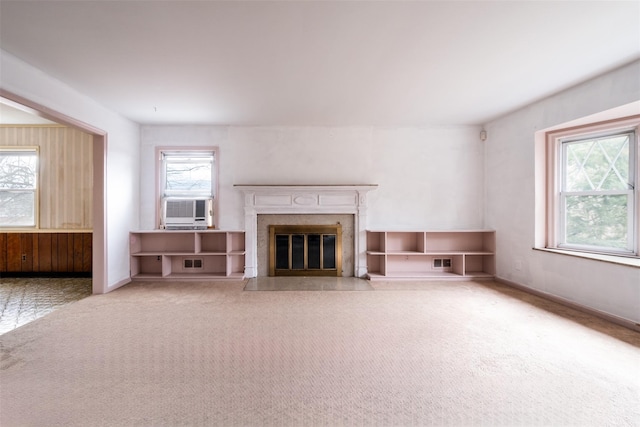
pixel 119 284
pixel 589 310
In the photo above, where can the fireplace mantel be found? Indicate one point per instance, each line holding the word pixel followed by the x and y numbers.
pixel 305 199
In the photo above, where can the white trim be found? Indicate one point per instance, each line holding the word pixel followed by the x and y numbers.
pixel 119 284
pixel 555 197
pixel 159 177
pixel 305 199
pixel 35 190
pixel 621 259
pixel 100 280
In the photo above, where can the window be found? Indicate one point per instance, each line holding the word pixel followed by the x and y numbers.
pixel 188 173
pixel 18 186
pixel 593 188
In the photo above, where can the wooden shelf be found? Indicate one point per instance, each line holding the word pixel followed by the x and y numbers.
pixel 195 276
pixel 187 255
pixel 438 255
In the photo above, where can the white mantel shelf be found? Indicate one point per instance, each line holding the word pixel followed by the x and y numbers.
pixel 320 186
pixel 305 199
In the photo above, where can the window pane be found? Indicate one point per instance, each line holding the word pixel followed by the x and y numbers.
pixel 18 175
pixel 313 252
pixel 597 164
pixel 17 208
pixel 282 251
pixel 18 170
pixel 189 175
pixel 597 221
pixel 297 252
pixel 329 251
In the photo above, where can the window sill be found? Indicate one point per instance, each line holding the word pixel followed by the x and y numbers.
pixel 613 259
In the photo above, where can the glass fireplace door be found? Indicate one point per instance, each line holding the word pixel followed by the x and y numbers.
pixel 305 250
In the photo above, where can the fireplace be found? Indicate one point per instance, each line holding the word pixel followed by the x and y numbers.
pixel 264 221
pixel 306 204
pixel 305 250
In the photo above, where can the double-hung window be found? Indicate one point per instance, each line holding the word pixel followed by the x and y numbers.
pixel 596 196
pixel 18 186
pixel 188 174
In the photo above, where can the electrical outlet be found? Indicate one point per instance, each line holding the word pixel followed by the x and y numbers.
pixel 24 257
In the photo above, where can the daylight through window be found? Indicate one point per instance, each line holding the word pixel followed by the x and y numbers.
pixel 596 202
pixel 188 174
pixel 18 186
pixel 187 186
pixel 597 192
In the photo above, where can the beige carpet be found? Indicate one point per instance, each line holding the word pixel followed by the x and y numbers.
pixel 188 354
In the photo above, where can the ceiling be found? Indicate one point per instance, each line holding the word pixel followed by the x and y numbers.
pixel 13 116
pixel 336 63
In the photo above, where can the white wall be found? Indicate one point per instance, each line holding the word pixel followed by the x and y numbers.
pixel 123 152
pixel 428 177
pixel 187 136
pixel 510 200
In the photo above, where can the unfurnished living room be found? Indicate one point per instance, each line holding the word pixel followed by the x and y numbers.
pixel 336 213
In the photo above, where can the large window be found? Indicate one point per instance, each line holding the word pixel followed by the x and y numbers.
pixel 18 186
pixel 593 188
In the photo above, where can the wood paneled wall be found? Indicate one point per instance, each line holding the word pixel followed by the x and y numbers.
pixel 66 173
pixel 45 253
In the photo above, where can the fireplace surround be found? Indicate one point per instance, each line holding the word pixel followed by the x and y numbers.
pixel 306 200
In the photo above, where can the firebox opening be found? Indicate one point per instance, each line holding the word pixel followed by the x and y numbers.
pixel 305 250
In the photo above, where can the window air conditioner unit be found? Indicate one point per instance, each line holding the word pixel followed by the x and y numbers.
pixel 187 214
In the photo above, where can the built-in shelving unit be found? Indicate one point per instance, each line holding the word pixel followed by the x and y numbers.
pixel 441 255
pixel 187 255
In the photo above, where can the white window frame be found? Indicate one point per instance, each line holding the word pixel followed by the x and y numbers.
pixel 198 151
pixel 35 190
pixel 557 140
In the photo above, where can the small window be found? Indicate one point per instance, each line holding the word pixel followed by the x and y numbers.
pixel 188 174
pixel 595 189
pixel 18 186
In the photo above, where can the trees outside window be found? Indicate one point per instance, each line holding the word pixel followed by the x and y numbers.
pixel 593 187
pixel 597 192
pixel 187 173
pixel 18 186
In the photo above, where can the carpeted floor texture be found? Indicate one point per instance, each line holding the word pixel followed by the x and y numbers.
pixel 428 353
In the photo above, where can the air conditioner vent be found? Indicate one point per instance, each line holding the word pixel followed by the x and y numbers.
pixel 187 214
pixel 180 208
